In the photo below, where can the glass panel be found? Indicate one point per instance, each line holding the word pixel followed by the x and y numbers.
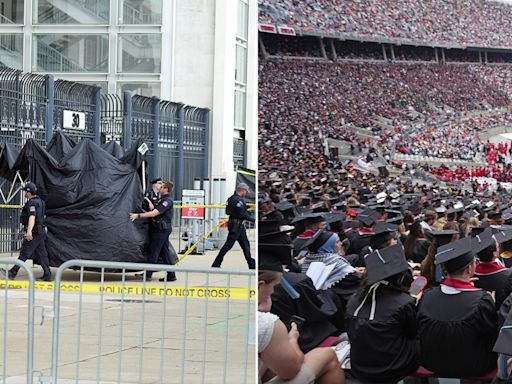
pixel 241 64
pixel 140 53
pixel 141 11
pixel 71 53
pixel 12 11
pixel 143 89
pixel 102 84
pixel 239 109
pixel 72 12
pixel 11 50
pixel 242 19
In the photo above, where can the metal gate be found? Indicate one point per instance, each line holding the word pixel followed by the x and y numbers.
pixel 199 329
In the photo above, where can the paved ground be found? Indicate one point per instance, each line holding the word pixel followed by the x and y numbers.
pixel 136 338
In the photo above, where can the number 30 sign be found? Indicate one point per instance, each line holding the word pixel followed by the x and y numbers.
pixel 73 120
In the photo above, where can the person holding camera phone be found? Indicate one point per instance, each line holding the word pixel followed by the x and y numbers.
pixel 280 358
pixel 160 230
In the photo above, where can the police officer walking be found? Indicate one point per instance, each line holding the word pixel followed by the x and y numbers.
pixel 33 246
pixel 236 208
pixel 160 230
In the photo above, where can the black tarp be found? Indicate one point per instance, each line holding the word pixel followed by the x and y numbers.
pixel 89 194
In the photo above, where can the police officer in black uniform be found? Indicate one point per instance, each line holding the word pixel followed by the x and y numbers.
pixel 160 229
pixel 237 211
pixel 152 196
pixel 33 246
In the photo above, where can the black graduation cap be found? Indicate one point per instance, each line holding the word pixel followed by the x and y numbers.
pixel 455 255
pixel 477 230
pixel 385 263
pixel 483 241
pixel 443 237
pixel 300 243
pixel 271 227
pixel 494 215
pixel 305 201
pixel 274 250
pixel 309 219
pixel 320 240
pixel 368 217
pixel 504 342
pixel 383 231
pixel 502 236
pixel 286 208
pixel 335 219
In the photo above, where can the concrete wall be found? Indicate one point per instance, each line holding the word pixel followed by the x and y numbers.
pixel 204 74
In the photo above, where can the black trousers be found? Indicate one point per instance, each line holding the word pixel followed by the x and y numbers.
pixel 159 247
pixel 236 233
pixel 34 249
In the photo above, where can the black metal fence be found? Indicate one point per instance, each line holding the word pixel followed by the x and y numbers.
pixel 34 106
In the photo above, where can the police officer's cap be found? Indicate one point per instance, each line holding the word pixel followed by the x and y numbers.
pixel 157 180
pixel 243 186
pixel 30 187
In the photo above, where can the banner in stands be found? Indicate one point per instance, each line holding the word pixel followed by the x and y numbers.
pixel 285 30
pixel 269 28
pixel 247 176
pixel 89 193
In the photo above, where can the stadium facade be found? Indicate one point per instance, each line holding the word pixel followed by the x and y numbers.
pixel 197 52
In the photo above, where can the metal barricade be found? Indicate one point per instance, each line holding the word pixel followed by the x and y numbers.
pixel 15 330
pixel 200 329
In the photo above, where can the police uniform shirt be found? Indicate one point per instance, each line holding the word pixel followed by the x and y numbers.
pixel 154 197
pixel 383 349
pixel 237 208
pixel 33 207
pixel 457 330
pixel 165 207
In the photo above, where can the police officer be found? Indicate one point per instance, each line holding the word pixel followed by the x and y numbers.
pixel 33 246
pixel 152 196
pixel 237 211
pixel 160 230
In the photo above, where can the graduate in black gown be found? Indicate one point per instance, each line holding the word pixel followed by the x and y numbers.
pixel 492 276
pixel 457 322
pixel 381 321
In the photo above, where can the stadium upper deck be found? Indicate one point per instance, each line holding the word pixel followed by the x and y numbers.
pixel 452 23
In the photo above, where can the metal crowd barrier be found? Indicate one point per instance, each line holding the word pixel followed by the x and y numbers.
pixel 199 329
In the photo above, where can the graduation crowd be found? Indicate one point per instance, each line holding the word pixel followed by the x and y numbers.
pixel 357 93
pixel 473 22
pixel 371 237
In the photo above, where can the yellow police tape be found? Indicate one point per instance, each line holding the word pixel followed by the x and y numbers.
pixel 176 206
pixel 217 293
pixel 194 246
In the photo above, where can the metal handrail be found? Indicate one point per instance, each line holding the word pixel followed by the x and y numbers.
pixel 132 15
pixel 53 57
pixel 5 20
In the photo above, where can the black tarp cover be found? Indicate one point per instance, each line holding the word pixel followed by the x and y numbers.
pixel 89 194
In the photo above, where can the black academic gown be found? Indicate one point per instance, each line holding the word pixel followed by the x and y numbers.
pixel 498 281
pixel 383 350
pixel 317 310
pixel 457 332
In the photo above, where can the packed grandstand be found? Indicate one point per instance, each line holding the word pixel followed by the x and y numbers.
pixel 382 124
